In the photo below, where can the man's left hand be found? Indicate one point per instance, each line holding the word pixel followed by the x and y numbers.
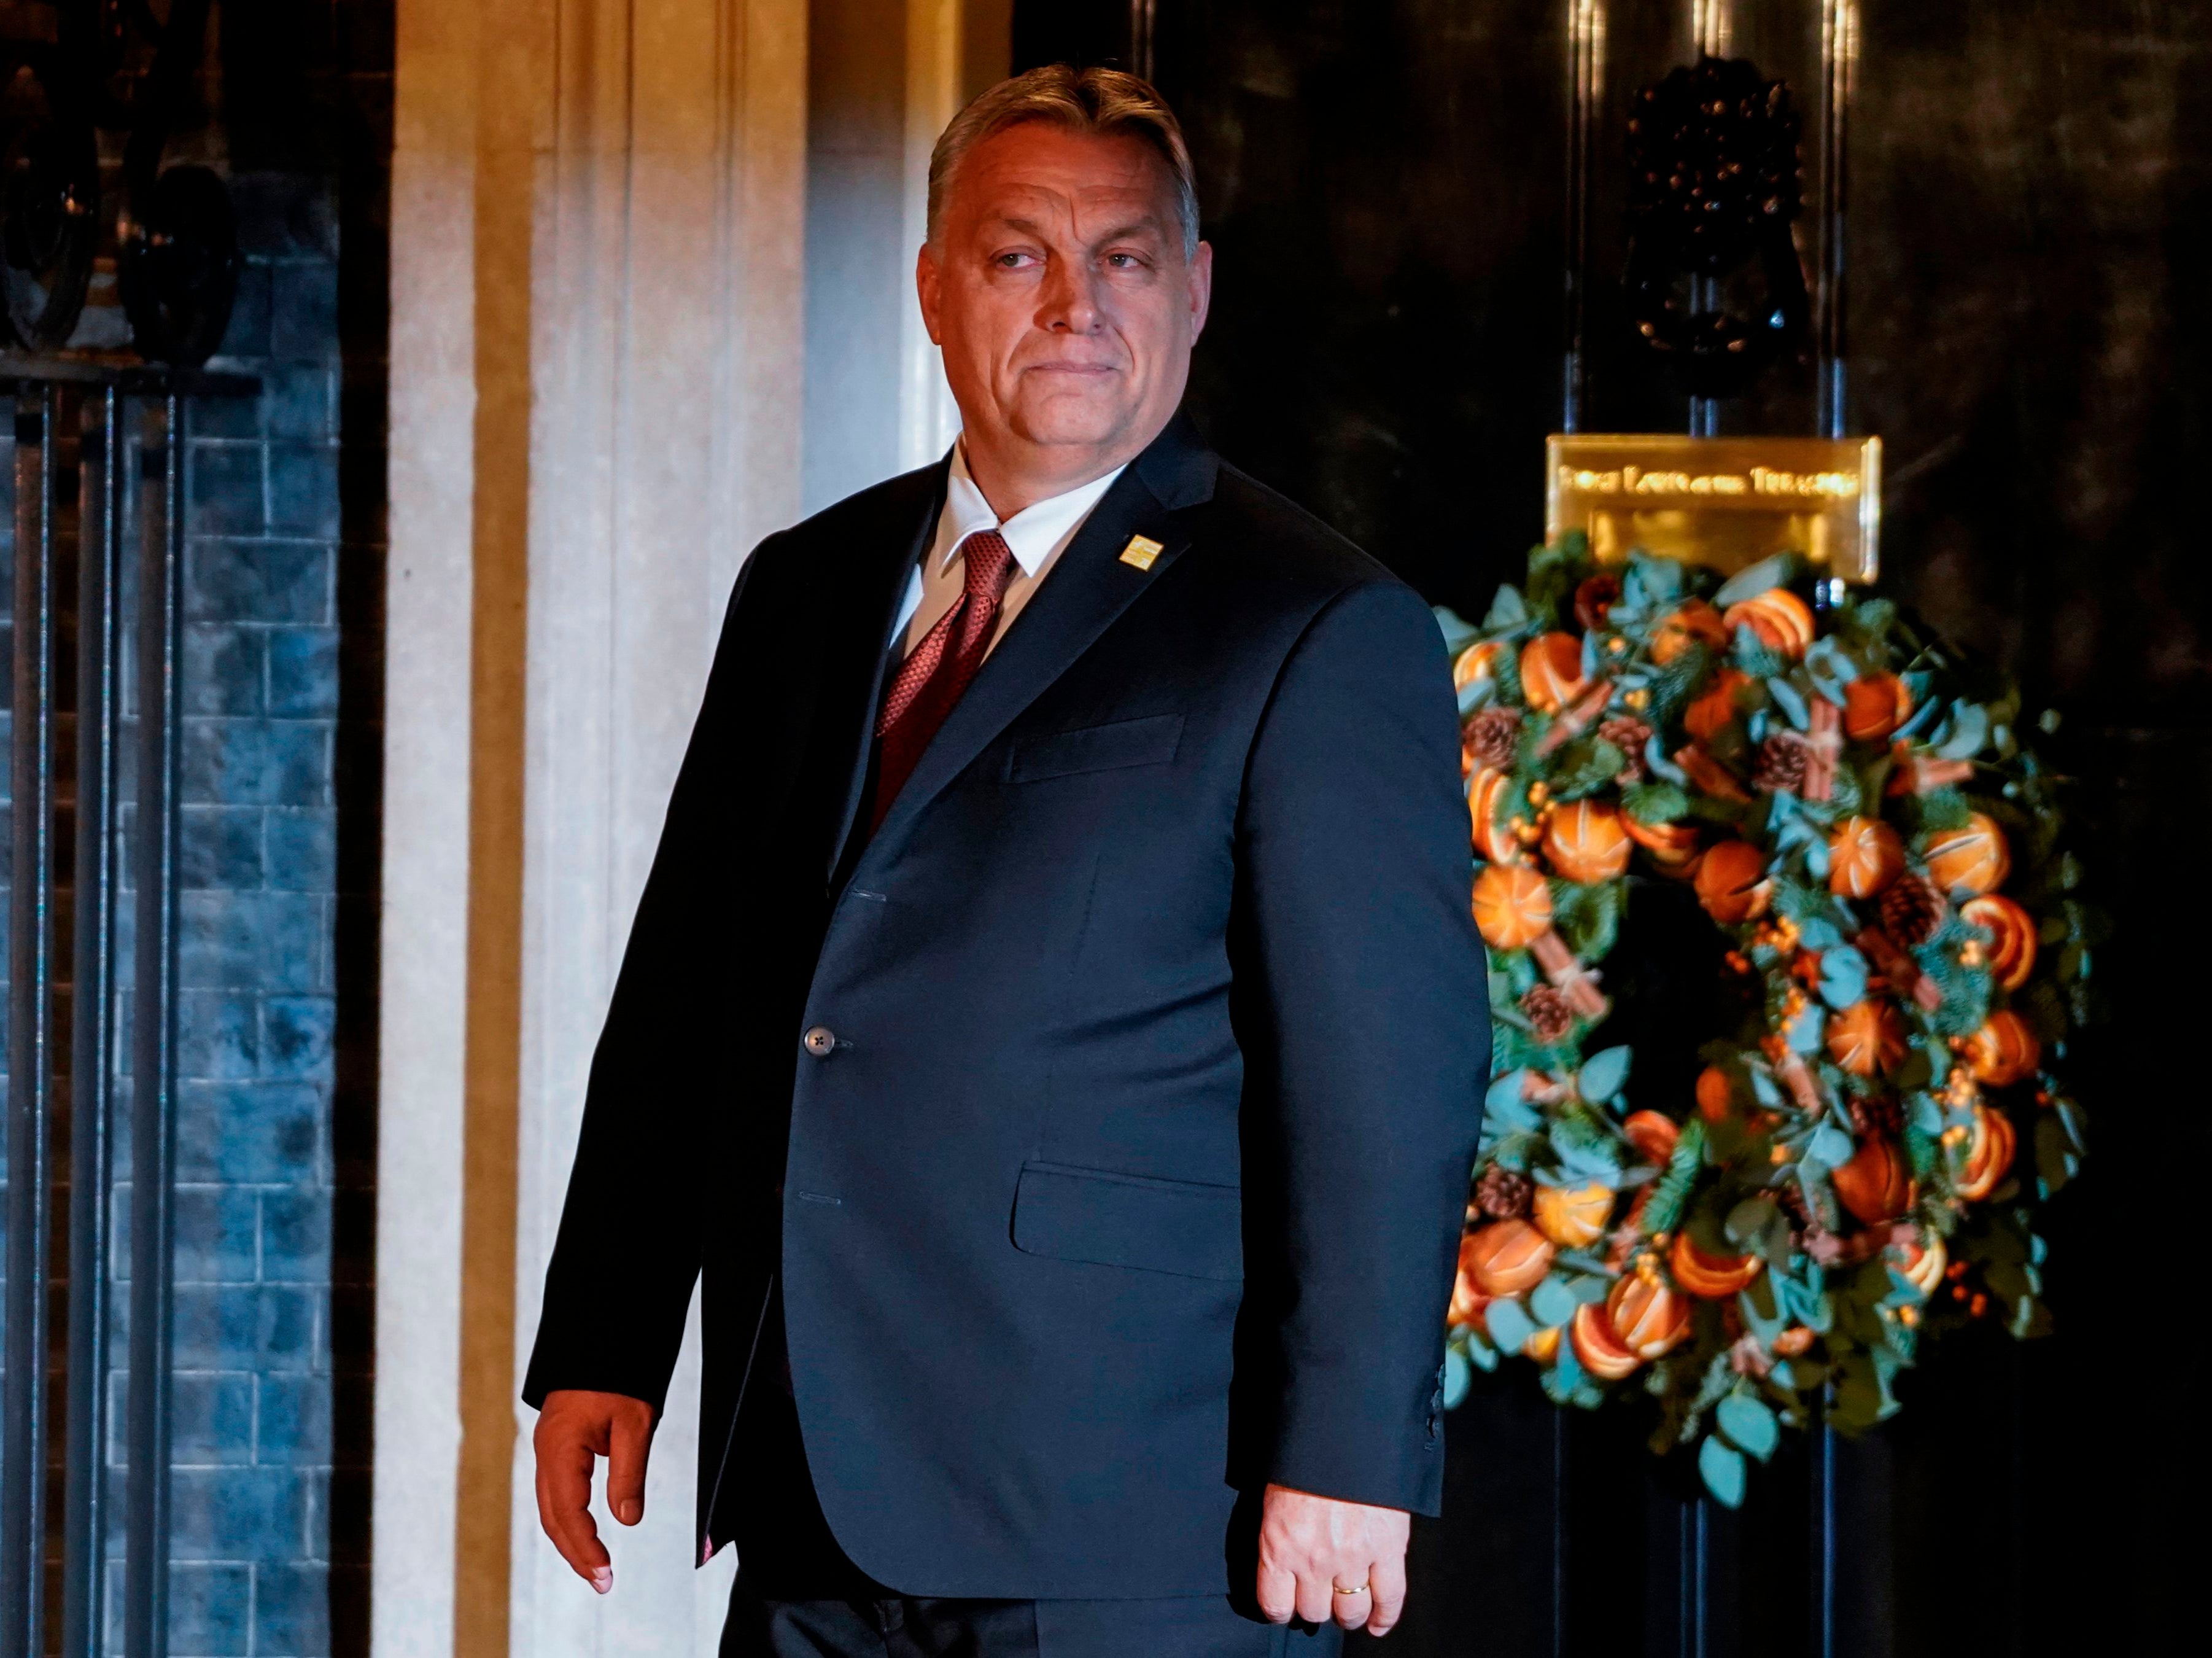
pixel 1312 1548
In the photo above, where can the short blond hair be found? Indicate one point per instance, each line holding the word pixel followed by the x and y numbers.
pixel 1110 102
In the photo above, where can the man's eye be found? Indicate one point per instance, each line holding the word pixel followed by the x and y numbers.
pixel 1124 261
pixel 1011 261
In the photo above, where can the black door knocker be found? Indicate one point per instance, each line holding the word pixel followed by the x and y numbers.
pixel 1713 189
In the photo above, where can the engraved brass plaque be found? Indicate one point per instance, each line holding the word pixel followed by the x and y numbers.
pixel 1723 502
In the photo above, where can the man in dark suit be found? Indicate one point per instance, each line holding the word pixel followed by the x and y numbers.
pixel 1054 1025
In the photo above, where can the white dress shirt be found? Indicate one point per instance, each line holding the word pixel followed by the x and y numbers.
pixel 1037 536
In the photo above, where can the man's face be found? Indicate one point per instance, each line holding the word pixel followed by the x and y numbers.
pixel 1059 293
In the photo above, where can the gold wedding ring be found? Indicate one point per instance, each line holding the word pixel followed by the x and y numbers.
pixel 1341 1589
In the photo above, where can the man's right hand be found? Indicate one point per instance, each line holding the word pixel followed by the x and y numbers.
pixel 574 1429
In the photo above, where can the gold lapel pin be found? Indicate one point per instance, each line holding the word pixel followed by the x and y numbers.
pixel 1141 551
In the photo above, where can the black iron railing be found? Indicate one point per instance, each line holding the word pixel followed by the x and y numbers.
pixel 111 439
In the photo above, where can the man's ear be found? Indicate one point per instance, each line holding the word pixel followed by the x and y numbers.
pixel 929 287
pixel 1201 288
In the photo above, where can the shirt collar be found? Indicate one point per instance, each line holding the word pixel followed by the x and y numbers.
pixel 1033 534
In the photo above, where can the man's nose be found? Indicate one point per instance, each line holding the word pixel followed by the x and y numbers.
pixel 1070 299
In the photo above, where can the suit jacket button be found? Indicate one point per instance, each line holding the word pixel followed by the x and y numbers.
pixel 820 1040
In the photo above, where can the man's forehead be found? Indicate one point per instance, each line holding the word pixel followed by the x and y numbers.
pixel 1026 202
pixel 1034 169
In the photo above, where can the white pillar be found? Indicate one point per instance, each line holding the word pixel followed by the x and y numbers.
pixel 423 987
pixel 667 319
pixel 600 347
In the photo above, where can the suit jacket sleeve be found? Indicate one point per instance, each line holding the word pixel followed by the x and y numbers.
pixel 629 1250
pixel 1363 1015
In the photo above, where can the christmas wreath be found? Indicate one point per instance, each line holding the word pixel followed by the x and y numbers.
pixel 1860 1161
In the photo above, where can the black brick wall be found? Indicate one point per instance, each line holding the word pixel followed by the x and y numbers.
pixel 282 754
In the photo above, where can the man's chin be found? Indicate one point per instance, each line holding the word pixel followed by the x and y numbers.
pixel 1073 420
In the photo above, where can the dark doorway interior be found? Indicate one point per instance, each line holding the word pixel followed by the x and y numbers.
pixel 2032 202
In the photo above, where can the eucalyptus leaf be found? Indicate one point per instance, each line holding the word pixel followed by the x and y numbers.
pixel 1926 710
pixel 1459 632
pixel 1652 581
pixel 1583 1165
pixel 1508 1325
pixel 1507 1113
pixel 1966 732
pixel 1775 1243
pixel 2007 1280
pixel 1808 1304
pixel 1830 1145
pixel 1756 579
pixel 1831 666
pixel 1476 694
pixel 1567 1368
pixel 1792 701
pixel 1746 1221
pixel 1459 1376
pixel 1551 1303
pixel 2056 1162
pixel 1763 1314
pixel 1843 970
pixel 1479 1349
pixel 1860 1401
pixel 1507 610
pixel 1823 935
pixel 1749 1424
pixel 1804 1031
pixel 1602 1075
pixel 1722 1467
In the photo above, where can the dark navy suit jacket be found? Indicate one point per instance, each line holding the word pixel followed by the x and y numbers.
pixel 1133 1177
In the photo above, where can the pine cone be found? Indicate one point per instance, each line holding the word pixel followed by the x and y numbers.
pixel 1781 764
pixel 1628 734
pixel 1549 1011
pixel 1884 1117
pixel 1503 1195
pixel 1493 737
pixel 1912 909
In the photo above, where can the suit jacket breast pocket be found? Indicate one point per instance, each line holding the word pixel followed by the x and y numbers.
pixel 1183 1227
pixel 1151 740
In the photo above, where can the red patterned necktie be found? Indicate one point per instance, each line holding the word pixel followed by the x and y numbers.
pixel 937 669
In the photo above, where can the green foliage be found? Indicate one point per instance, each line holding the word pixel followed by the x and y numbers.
pixel 1671 1195
pixel 1587 916
pixel 1655 802
pixel 1721 1465
pixel 1748 1423
pixel 1583 767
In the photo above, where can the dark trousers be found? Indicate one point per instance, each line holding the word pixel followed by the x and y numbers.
pixel 902 1627
pixel 798 1596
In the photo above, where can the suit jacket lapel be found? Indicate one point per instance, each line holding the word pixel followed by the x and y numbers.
pixel 882 588
pixel 1088 586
